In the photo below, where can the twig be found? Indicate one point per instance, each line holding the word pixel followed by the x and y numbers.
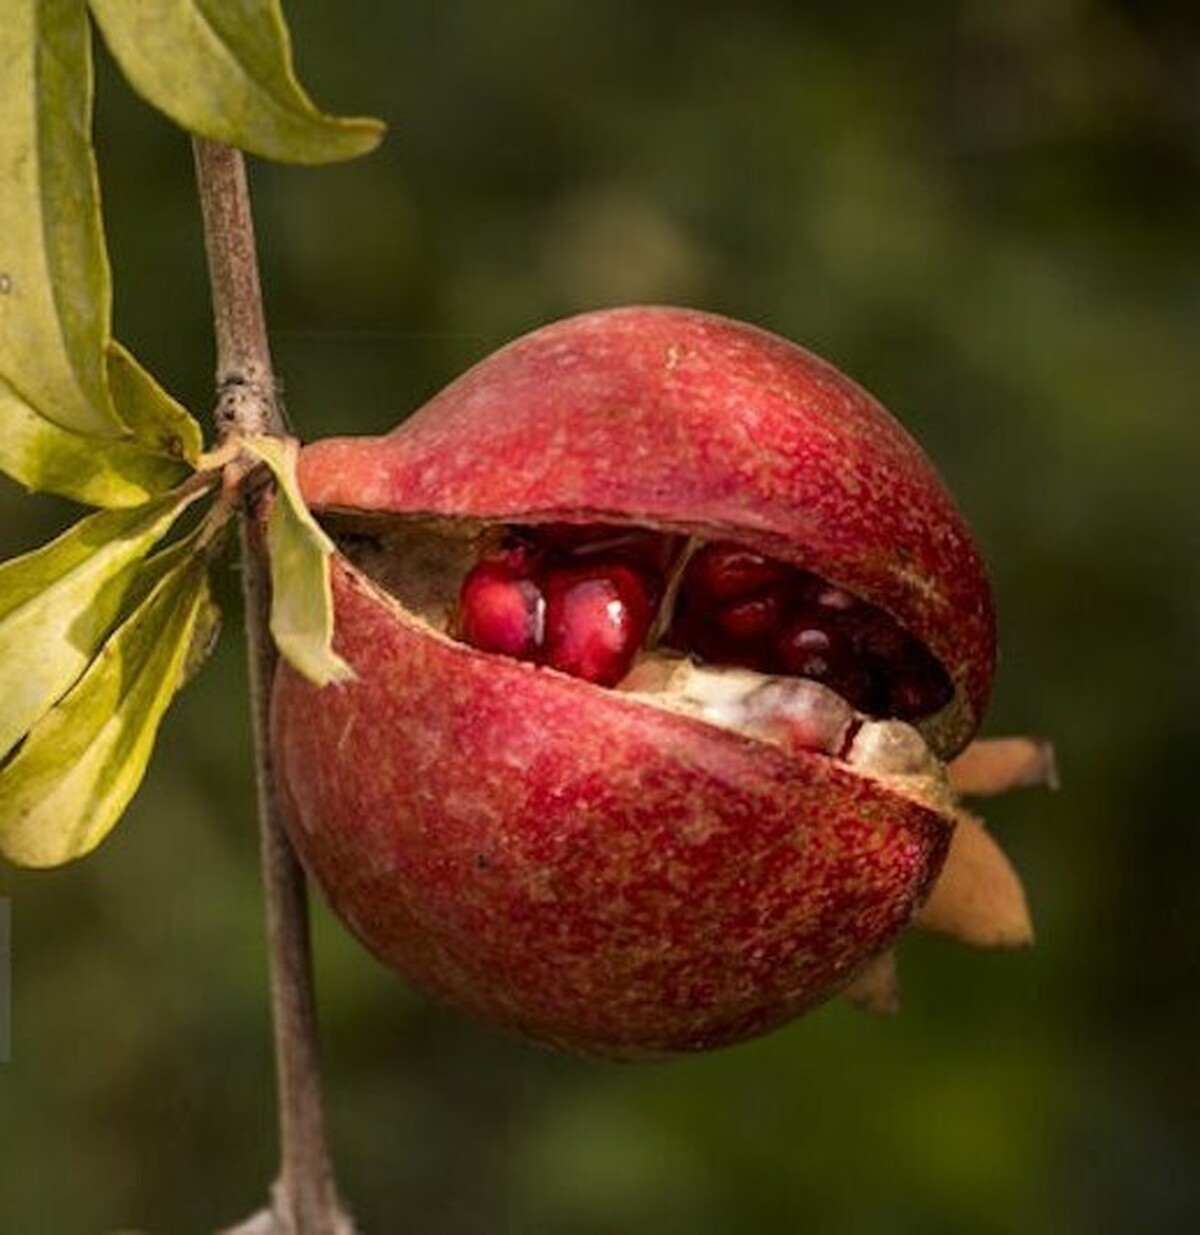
pixel 304 1199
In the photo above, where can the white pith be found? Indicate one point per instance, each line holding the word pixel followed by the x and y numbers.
pixel 794 714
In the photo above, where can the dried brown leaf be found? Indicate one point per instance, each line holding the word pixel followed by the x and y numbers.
pixel 978 898
pixel 876 989
pixel 995 765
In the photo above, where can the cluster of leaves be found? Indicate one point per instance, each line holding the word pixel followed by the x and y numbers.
pixel 100 628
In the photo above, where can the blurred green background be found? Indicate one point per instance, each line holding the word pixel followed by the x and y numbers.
pixel 985 211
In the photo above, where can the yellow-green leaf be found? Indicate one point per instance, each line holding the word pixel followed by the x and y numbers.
pixel 205 633
pixel 58 603
pixel 110 471
pixel 160 424
pixel 69 783
pixel 301 594
pixel 225 71
pixel 55 294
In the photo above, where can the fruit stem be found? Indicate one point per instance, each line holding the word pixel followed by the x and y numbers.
pixel 304 1199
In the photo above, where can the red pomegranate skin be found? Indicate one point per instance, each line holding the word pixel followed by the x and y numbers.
pixel 567 861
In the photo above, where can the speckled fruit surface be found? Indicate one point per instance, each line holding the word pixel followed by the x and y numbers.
pixel 566 860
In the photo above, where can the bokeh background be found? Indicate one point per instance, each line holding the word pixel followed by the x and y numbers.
pixel 983 209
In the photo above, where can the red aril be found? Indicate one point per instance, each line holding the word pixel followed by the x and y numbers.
pixel 502 612
pixel 597 618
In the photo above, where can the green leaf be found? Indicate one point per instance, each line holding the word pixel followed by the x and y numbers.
pixel 204 638
pixel 160 424
pixel 301 594
pixel 58 603
pixel 55 293
pixel 225 71
pixel 110 471
pixel 77 770
pixel 151 458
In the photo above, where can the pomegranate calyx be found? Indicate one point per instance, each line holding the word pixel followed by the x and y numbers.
pixel 978 898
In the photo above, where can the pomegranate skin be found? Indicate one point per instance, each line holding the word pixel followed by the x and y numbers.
pixel 573 865
pixel 686 420
pixel 570 862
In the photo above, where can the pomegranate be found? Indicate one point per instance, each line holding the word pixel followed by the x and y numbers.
pixel 663 632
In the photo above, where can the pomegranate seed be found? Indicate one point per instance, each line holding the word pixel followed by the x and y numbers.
pixel 596 620
pixel 725 571
pixel 878 637
pixel 501 612
pixel 825 655
pixel 751 619
pixel 919 686
pixel 805 650
pixel 835 598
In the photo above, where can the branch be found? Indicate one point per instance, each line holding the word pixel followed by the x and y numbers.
pixel 247 399
pixel 304 1200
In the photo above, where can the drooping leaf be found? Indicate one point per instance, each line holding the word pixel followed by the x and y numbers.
pixel 301 595
pixel 70 781
pixel 225 71
pixel 55 293
pixel 108 471
pixel 58 603
pixel 160 424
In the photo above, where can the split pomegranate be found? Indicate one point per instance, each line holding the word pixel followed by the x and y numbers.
pixel 663 630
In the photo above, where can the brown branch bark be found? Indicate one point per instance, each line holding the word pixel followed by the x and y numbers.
pixel 304 1199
